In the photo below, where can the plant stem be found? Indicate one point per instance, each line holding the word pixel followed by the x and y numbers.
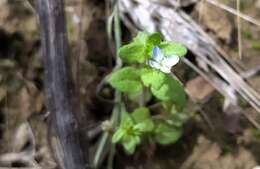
pixel 118 96
pixel 100 149
pixel 117 34
pixel 118 107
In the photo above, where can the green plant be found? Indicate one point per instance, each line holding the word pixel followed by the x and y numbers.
pixel 146 72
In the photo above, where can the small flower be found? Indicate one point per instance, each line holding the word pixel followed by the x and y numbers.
pixel 161 62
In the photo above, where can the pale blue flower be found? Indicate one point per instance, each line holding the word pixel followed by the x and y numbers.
pixel 161 62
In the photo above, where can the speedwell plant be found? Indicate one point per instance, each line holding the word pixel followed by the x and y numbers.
pixel 147 72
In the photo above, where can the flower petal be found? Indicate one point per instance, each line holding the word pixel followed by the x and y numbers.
pixel 170 61
pixel 154 64
pixel 165 69
pixel 157 54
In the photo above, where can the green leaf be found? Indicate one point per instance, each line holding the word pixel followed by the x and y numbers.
pixel 177 119
pixel 145 126
pixel 172 48
pixel 140 48
pixel 127 134
pixel 140 114
pixel 126 120
pixel 171 90
pixel 126 129
pixel 151 77
pixel 154 39
pixel 164 87
pixel 126 80
pixel 128 86
pixel 136 50
pixel 118 135
pixel 143 119
pixel 133 52
pixel 135 97
pixel 130 142
pixel 141 38
pixel 166 134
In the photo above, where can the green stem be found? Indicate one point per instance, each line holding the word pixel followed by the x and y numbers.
pixel 111 157
pixel 118 96
pixel 118 107
pixel 105 137
pixel 100 149
pixel 117 34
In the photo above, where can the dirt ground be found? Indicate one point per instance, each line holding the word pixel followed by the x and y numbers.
pixel 206 144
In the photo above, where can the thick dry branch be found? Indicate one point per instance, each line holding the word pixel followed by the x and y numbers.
pixel 59 89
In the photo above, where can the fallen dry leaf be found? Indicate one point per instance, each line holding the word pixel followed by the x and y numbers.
pixel 215 20
pixel 199 89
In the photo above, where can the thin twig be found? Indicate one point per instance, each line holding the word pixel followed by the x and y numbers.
pixel 234 12
pixel 239 31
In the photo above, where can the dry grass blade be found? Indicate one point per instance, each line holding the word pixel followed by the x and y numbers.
pixel 235 12
pixel 24 158
pixel 239 31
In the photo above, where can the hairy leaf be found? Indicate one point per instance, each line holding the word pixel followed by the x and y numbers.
pixel 133 52
pixel 172 48
pixel 164 87
pixel 145 126
pixel 166 134
pixel 141 114
pixel 126 80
